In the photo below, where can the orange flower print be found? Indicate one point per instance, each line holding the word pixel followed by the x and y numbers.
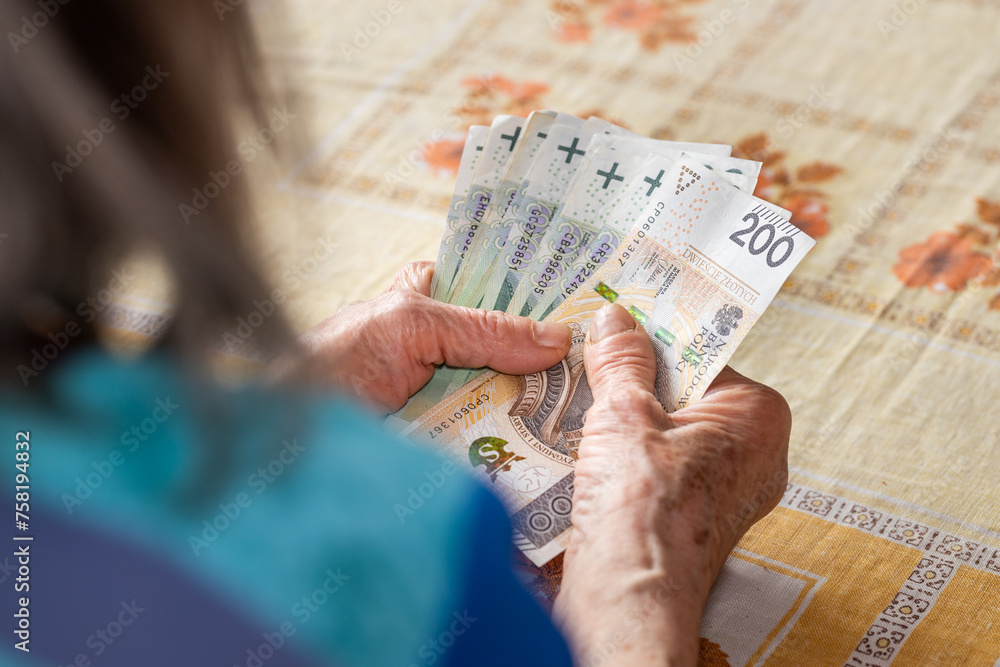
pixel 444 156
pixel 951 260
pixel 491 84
pixel 570 33
pixel 768 186
pixel 632 15
pixel 808 214
pixel 945 262
pixel 711 654
pixel 487 84
pixel 654 22
pixel 798 190
pixel 493 94
pixel 525 93
pixel 486 97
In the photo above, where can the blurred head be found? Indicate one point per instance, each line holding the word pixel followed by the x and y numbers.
pixel 111 113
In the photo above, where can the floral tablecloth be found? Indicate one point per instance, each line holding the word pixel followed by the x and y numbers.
pixel 878 122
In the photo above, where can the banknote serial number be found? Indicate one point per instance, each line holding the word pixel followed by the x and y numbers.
pixel 459 414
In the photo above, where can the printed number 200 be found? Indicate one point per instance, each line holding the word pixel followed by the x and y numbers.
pixel 768 243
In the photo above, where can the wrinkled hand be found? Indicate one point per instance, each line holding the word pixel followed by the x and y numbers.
pixel 384 350
pixel 660 500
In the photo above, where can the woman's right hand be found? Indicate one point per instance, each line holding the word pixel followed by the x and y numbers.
pixel 660 500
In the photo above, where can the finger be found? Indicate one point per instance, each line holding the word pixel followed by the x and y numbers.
pixel 618 354
pixel 414 276
pixel 472 338
pixel 739 401
pixel 727 377
pixel 730 382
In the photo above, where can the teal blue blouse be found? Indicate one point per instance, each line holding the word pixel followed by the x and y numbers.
pixel 248 527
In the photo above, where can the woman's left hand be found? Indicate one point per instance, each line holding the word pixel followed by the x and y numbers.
pixel 384 350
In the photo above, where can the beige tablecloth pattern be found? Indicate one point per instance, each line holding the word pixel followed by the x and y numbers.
pixel 879 125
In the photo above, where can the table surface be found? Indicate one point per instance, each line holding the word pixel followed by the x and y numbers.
pixel 879 125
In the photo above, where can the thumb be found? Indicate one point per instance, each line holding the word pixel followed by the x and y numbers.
pixel 618 354
pixel 473 338
pixel 414 276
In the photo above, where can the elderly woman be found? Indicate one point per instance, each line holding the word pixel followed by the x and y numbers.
pixel 176 522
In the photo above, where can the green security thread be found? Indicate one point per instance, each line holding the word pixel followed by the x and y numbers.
pixel 691 356
pixel 642 318
pixel 606 292
pixel 665 336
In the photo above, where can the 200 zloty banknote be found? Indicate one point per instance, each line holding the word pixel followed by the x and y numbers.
pixel 699 267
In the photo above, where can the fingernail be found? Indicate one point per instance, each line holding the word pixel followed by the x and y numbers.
pixel 551 334
pixel 610 320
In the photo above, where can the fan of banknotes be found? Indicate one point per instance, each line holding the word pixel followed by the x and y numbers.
pixel 552 218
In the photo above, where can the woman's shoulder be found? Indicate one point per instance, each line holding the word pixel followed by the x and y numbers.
pixel 296 507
